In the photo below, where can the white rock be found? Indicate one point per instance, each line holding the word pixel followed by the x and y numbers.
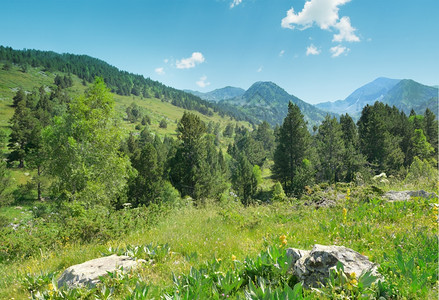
pixel 88 273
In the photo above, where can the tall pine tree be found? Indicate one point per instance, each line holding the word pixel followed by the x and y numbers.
pixel 290 156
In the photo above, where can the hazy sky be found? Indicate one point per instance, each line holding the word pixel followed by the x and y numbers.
pixel 317 50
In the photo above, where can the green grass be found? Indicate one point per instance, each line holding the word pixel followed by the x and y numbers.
pixel 401 237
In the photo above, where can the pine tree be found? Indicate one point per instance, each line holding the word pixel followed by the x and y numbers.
pixel 353 160
pixel 431 129
pixel 291 151
pixel 23 133
pixel 145 187
pixel 330 149
pixel 244 180
pixel 184 165
pixel 19 96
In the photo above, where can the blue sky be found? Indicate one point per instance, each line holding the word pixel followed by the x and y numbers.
pixel 317 50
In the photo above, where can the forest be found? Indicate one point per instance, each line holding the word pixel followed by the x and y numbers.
pixel 92 182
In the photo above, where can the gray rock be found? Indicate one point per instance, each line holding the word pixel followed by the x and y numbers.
pixel 313 267
pixel 296 254
pixel 406 195
pixel 322 202
pixel 88 273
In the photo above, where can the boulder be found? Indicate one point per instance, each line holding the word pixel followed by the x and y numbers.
pixel 313 267
pixel 88 273
pixel 406 195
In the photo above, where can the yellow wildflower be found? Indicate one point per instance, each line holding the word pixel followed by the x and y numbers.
pixel 282 237
pixel 233 257
pixel 345 213
pixel 50 287
pixel 219 259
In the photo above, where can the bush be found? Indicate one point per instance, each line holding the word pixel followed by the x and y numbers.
pixel 278 193
pixel 422 172
pixel 163 124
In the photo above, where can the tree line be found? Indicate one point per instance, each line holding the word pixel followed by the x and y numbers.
pixel 79 153
pixel 119 82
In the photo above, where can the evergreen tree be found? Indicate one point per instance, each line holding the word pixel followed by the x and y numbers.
pixel 163 124
pixel 291 152
pixel 23 133
pixel 380 139
pixel 5 176
pixel 265 135
pixel 330 149
pixel 353 160
pixel 19 96
pixel 431 129
pixel 185 163
pixel 145 187
pixel 228 131
pixel 244 180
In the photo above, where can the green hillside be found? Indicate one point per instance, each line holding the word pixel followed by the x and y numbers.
pixel 120 82
pixel 14 79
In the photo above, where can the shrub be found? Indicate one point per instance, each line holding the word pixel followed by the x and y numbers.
pixel 163 124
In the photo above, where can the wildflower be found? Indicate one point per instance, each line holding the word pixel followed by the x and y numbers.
pixel 348 194
pixel 233 257
pixel 219 259
pixel 50 286
pixel 283 240
pixel 345 213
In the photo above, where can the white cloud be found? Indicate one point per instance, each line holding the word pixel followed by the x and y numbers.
pixel 166 60
pixel 338 50
pixel 160 71
pixel 346 31
pixel 259 70
pixel 281 53
pixel 312 50
pixel 323 13
pixel 235 3
pixel 187 63
pixel 203 82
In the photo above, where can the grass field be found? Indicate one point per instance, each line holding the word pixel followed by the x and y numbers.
pixel 400 236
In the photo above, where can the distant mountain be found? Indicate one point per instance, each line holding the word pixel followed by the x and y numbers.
pixel 217 95
pixel 269 102
pixel 367 94
pixel 409 94
pixel 404 94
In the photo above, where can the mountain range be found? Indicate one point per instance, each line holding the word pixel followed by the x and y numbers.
pixel 267 101
pixel 217 95
pixel 405 94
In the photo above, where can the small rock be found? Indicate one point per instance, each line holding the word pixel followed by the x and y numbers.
pixel 406 195
pixel 88 273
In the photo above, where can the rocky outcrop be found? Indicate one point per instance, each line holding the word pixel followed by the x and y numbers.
pixel 88 273
pixel 313 267
pixel 406 195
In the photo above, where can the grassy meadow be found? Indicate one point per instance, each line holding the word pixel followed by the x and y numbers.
pixel 400 236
